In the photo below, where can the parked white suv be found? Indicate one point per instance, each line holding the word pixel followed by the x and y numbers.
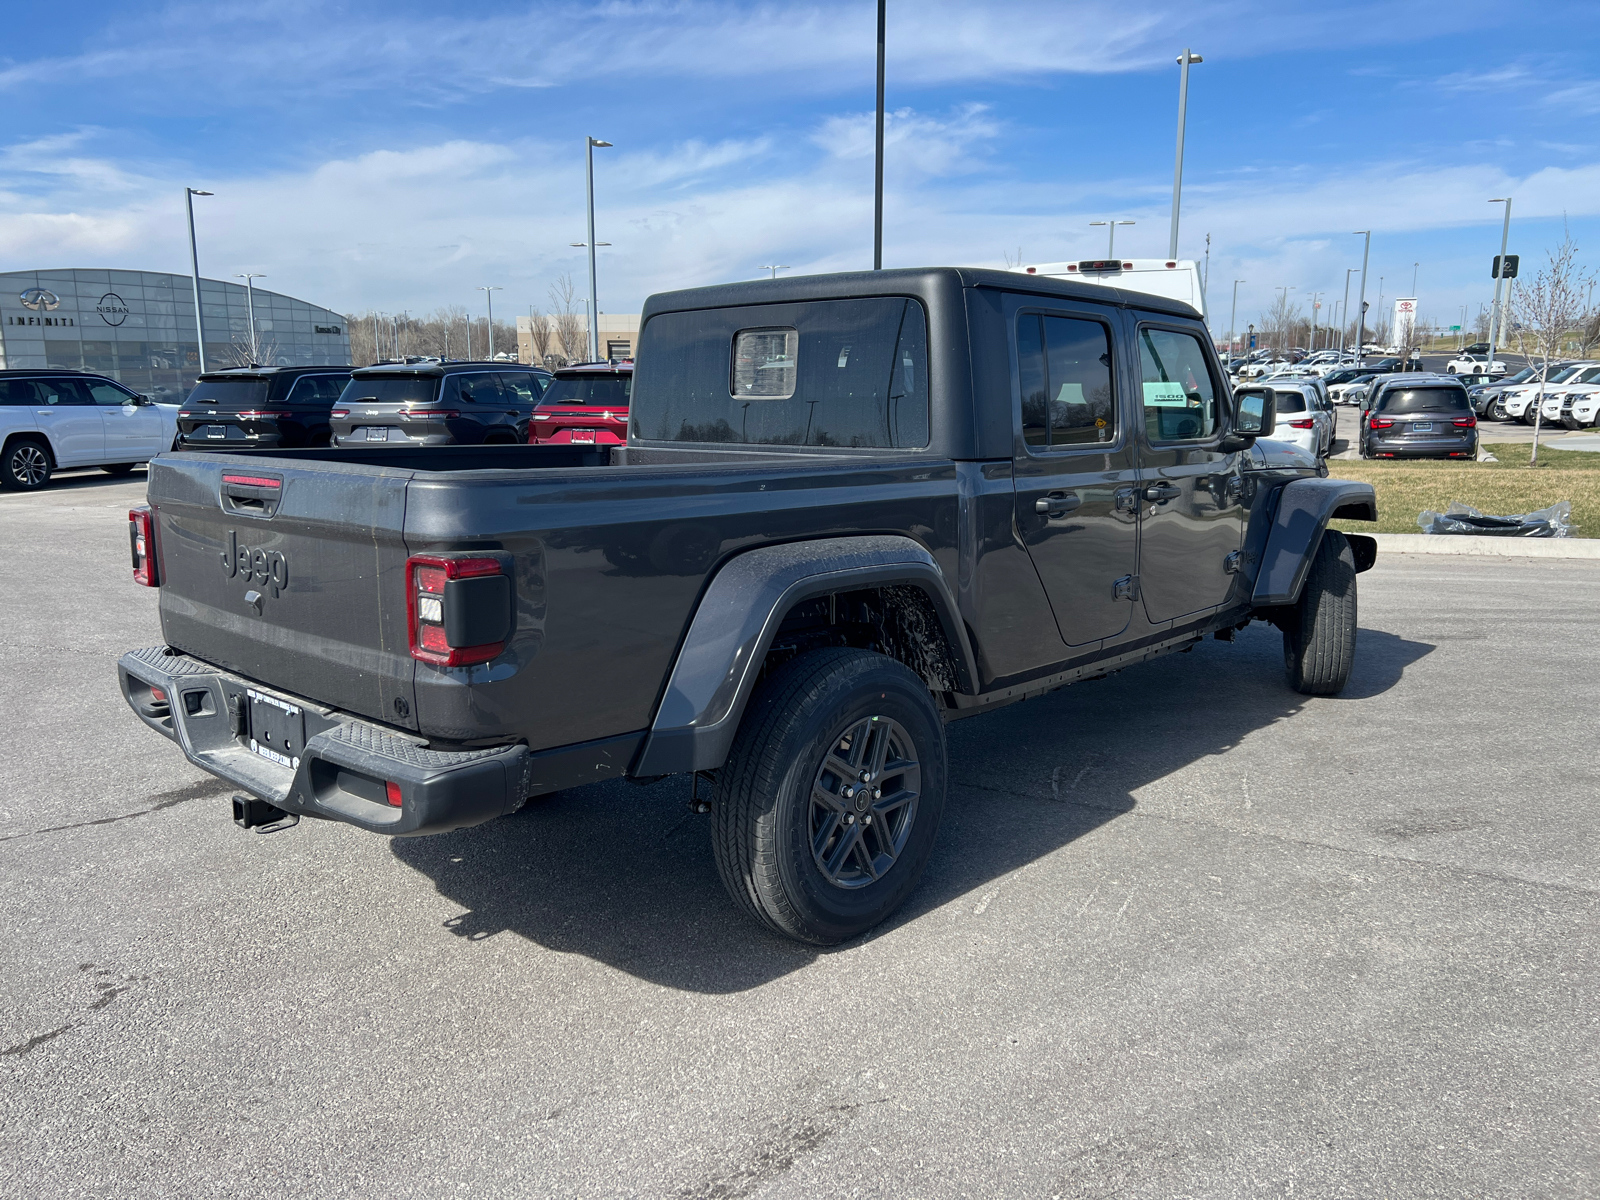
pixel 1585 409
pixel 1517 404
pixel 52 420
pixel 1305 416
pixel 1559 404
pixel 1474 364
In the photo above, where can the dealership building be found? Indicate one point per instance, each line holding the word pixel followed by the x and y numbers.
pixel 138 326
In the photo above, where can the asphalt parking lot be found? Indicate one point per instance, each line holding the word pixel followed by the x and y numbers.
pixel 1185 934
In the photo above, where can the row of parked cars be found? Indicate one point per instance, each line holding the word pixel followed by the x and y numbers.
pixel 1569 396
pixel 57 419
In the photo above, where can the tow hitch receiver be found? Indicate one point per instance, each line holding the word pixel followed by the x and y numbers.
pixel 252 813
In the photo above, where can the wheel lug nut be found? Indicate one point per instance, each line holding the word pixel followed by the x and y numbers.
pixel 849 818
pixel 849 793
pixel 877 793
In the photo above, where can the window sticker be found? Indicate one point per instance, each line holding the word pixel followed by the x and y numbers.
pixel 1163 394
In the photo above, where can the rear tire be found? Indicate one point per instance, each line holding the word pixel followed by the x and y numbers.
pixel 118 469
pixel 796 852
pixel 26 465
pixel 1319 640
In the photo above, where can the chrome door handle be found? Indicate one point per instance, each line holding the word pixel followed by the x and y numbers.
pixel 1057 504
pixel 1158 492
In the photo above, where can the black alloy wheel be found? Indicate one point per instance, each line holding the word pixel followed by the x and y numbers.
pixel 864 802
pixel 26 466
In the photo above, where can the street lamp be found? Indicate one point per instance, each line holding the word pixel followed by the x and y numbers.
pixel 1283 330
pixel 1344 309
pixel 1184 60
pixel 589 144
pixel 1111 247
pixel 1494 314
pixel 1316 303
pixel 189 194
pixel 250 307
pixel 1415 267
pixel 877 175
pixel 1232 313
pixel 774 268
pixel 488 294
pixel 1361 315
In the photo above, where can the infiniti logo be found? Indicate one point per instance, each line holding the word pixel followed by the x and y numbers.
pixel 40 299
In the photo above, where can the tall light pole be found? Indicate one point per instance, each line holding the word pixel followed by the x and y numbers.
pixel 877 176
pixel 1361 315
pixel 589 144
pixel 1184 60
pixel 1283 330
pixel 1495 322
pixel 1111 246
pixel 250 307
pixel 1232 313
pixel 774 268
pixel 1316 303
pixel 1415 267
pixel 189 194
pixel 488 294
pixel 1344 309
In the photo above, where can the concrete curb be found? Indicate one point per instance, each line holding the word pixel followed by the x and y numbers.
pixel 1503 547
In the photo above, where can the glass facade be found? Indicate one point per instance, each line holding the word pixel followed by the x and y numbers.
pixel 138 327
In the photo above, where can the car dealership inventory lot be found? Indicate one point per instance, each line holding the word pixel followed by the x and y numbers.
pixel 1185 932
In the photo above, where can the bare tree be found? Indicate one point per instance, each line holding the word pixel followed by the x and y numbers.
pixel 569 328
pixel 1588 332
pixel 1543 314
pixel 1282 322
pixel 539 333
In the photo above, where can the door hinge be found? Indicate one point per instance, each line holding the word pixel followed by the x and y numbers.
pixel 1230 564
pixel 1126 588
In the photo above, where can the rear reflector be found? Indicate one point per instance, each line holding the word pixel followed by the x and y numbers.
pixel 253 480
pixel 1035 270
pixel 142 543
pixel 391 791
pixel 159 696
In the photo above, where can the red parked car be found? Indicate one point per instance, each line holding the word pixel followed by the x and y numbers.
pixel 586 404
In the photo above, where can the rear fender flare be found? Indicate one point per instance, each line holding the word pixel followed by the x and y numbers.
pixel 1305 506
pixel 733 627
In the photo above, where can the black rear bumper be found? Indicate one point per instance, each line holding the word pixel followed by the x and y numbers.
pixel 347 764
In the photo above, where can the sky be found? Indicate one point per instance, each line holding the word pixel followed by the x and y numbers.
pixel 398 155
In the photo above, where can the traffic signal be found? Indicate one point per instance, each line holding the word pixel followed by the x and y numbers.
pixel 1510 271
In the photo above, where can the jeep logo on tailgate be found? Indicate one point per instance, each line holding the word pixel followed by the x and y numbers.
pixel 266 567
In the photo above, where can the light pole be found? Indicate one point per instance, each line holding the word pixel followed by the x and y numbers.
pixel 877 176
pixel 1361 316
pixel 1344 309
pixel 1316 303
pixel 189 194
pixel 1415 267
pixel 488 295
pixel 1232 313
pixel 589 144
pixel 1184 60
pixel 774 268
pixel 250 307
pixel 1283 330
pixel 1495 320
pixel 1111 246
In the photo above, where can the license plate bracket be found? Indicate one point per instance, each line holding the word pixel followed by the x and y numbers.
pixel 582 436
pixel 277 729
pixel 377 433
pixel 1422 427
pixel 216 431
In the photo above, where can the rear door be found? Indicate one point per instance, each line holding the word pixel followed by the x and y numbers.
pixel 1191 521
pixel 1074 471
pixel 292 576
pixel 69 417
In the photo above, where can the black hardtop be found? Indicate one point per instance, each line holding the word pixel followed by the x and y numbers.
pixel 926 283
pixel 437 370
pixel 36 371
pixel 233 374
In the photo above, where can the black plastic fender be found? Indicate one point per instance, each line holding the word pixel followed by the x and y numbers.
pixel 1305 506
pixel 716 668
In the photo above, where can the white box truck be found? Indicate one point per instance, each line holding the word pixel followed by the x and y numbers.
pixel 1176 279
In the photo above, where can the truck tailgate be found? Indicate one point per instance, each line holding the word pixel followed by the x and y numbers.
pixel 290 574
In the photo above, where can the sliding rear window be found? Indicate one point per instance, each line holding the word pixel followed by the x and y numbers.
pixel 839 373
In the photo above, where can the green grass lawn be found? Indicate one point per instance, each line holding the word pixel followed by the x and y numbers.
pixel 1500 488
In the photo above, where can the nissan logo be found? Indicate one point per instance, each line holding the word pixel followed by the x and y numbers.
pixel 112 309
pixel 40 299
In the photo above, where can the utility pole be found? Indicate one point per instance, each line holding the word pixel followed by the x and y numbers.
pixel 189 194
pixel 877 179
pixel 1361 317
pixel 1184 60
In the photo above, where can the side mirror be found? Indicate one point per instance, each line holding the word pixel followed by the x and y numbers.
pixel 141 401
pixel 1256 411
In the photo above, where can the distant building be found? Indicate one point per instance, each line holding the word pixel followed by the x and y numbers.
pixel 619 336
pixel 138 326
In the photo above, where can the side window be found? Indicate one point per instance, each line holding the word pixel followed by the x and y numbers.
pixel 317 389
pixel 109 394
pixel 1067 397
pixel 63 391
pixel 1180 397
pixel 518 388
pixel 18 393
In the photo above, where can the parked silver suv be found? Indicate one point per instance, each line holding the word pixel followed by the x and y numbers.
pixel 51 420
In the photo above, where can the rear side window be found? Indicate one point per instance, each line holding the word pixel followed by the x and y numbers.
pixel 17 393
pixel 1180 399
pixel 415 389
pixel 241 392
pixel 844 373
pixel 608 390
pixel 1065 366
pixel 1424 399
pixel 317 389
pixel 518 387
pixel 481 388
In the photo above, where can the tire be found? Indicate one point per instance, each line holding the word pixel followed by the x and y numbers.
pixel 1319 639
pixel 832 707
pixel 118 469
pixel 27 465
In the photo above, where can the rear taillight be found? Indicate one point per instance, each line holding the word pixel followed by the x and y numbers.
pixel 1380 423
pixel 458 610
pixel 1465 422
pixel 1301 424
pixel 339 414
pixel 142 541
pixel 262 415
pixel 427 414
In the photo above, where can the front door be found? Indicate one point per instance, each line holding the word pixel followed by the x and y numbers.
pixel 1192 514
pixel 134 431
pixel 1075 472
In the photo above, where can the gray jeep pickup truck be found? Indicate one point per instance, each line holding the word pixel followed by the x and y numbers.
pixel 850 508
